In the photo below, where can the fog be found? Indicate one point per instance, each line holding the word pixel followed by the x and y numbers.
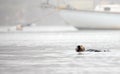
pixel 13 12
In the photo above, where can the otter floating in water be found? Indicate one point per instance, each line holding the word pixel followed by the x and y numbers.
pixel 81 48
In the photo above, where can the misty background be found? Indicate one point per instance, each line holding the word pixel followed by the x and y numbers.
pixel 13 12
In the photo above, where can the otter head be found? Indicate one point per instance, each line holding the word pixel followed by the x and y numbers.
pixel 80 48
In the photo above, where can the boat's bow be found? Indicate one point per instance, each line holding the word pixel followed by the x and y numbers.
pixel 91 19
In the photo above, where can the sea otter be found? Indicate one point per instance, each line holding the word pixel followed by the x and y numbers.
pixel 81 48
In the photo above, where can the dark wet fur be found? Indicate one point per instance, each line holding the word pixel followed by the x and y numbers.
pixel 93 50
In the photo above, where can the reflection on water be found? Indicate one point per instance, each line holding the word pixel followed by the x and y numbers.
pixel 53 53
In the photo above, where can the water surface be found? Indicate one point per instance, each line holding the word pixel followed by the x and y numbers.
pixel 53 52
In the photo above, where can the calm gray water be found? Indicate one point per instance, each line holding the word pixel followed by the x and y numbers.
pixel 53 52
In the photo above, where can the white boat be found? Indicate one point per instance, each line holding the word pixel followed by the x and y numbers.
pixel 91 19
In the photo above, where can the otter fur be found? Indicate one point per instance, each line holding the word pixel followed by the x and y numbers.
pixel 81 48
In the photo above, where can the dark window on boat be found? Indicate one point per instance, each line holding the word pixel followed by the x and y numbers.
pixel 107 9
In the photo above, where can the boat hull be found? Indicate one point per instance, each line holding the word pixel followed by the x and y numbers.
pixel 91 19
